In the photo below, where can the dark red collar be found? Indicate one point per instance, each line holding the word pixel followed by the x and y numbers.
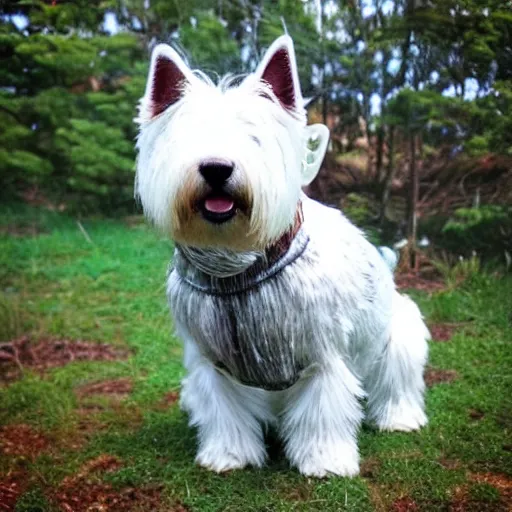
pixel 279 248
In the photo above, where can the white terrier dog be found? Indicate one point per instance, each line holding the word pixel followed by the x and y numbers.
pixel 288 314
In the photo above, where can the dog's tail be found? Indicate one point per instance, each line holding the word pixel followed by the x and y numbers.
pixel 389 256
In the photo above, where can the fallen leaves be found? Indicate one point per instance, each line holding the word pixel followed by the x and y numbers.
pixel 22 353
pixel 21 440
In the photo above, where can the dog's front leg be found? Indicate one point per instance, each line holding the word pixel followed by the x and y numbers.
pixel 228 416
pixel 321 419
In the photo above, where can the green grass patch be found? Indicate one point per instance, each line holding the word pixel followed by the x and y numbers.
pixel 103 281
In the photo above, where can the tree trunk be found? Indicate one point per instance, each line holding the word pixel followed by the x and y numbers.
pixel 388 179
pixel 324 61
pixel 379 171
pixel 324 108
pixel 413 200
pixel 367 132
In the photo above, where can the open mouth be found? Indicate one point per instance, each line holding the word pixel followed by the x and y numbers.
pixel 218 208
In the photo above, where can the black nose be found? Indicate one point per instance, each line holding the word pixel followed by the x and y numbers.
pixel 216 172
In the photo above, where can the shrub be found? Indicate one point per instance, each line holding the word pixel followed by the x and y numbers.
pixel 486 230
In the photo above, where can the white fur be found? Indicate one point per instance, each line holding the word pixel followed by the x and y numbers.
pixel 320 421
pixel 222 121
pixel 228 416
pixel 329 321
pixel 337 306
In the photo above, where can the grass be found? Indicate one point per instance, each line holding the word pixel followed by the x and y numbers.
pixel 111 289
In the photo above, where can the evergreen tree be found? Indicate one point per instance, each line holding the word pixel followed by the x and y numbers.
pixel 69 89
pixel 68 96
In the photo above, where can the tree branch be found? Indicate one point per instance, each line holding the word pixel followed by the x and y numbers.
pixel 14 115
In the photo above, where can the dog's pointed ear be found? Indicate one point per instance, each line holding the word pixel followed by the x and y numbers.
pixel 279 70
pixel 168 74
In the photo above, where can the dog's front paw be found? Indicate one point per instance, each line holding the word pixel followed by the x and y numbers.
pixel 220 463
pixel 402 417
pixel 221 458
pixel 340 459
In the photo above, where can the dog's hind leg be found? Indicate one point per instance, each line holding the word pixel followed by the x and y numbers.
pixel 394 383
pixel 320 421
pixel 228 416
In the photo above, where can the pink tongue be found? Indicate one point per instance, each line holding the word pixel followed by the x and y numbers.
pixel 219 204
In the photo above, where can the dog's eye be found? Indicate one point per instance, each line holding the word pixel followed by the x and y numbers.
pixel 255 139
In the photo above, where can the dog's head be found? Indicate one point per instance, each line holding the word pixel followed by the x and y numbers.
pixel 223 165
